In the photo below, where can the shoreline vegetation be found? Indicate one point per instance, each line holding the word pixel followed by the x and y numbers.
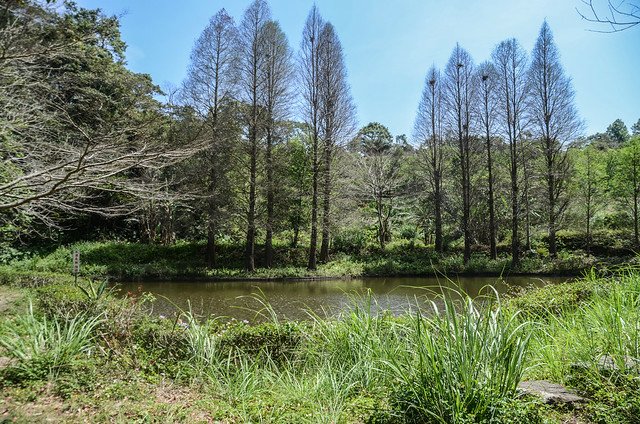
pixel 72 354
pixel 185 261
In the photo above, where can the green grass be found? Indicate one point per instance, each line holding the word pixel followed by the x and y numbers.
pixel 463 361
pixel 135 261
pixel 44 347
pixel 458 362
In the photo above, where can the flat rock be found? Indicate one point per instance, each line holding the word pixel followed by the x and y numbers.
pixel 5 362
pixel 550 393
pixel 608 363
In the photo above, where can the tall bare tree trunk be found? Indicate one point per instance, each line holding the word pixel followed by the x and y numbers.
pixel 326 204
pixel 437 194
pixel 250 264
pixel 310 76
pixel 268 245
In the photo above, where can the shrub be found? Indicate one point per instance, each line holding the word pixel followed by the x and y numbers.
pixel 351 241
pixel 56 300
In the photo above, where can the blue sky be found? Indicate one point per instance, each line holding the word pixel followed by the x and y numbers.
pixel 389 45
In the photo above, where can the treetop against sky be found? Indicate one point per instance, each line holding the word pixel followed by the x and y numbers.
pixel 389 46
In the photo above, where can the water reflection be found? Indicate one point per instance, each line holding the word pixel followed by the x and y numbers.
pixel 295 299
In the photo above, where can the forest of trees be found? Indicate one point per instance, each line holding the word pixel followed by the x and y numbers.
pixel 260 147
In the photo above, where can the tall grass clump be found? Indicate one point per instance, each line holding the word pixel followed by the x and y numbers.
pixel 357 343
pixel 605 325
pixel 466 361
pixel 204 352
pixel 45 346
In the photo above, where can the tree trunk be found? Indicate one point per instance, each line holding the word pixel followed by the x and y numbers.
pixel 589 220
pixel 439 244
pixel 251 213
pixel 313 242
pixel 381 236
pixel 296 233
pixel 467 203
pixel 515 243
pixel 326 205
pixel 268 253
pixel 552 209
pixel 636 234
pixel 211 225
pixel 493 250
pixel 211 245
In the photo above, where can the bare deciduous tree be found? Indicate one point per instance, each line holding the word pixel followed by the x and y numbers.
pixel 554 121
pixel 459 93
pixel 252 84
pixel 337 117
pixel 428 131
pixel 510 61
pixel 379 181
pixel 309 73
pixel 486 82
pixel 209 90
pixel 618 16
pixel 72 133
pixel 277 74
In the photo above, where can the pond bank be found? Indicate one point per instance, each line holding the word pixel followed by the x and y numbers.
pixel 366 367
pixel 185 261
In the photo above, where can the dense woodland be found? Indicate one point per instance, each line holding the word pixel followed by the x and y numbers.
pixel 260 147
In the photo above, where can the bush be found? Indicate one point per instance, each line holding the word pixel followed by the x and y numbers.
pixel 12 277
pixel 277 341
pixel 553 299
pixel 56 300
pixel 603 242
pixel 351 241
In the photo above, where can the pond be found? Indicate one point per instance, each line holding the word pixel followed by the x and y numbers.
pixel 296 299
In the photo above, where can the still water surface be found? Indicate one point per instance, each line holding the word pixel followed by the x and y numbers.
pixel 295 299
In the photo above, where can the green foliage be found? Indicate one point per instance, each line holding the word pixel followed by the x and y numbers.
pixel 57 300
pixel 95 292
pixel 618 131
pixel 603 242
pixel 350 241
pixel 554 299
pixel 467 361
pixel 458 362
pixel 43 346
pixel 278 342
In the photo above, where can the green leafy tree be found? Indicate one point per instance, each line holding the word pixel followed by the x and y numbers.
pixel 627 180
pixel 379 180
pixel 618 132
pixel 589 176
